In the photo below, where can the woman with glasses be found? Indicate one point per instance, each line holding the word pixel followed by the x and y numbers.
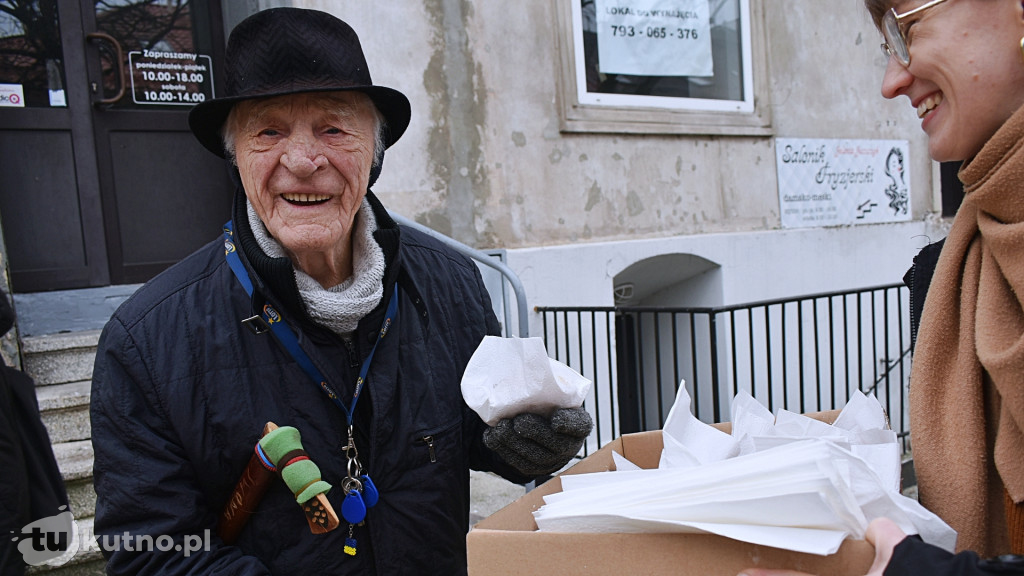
pixel 960 63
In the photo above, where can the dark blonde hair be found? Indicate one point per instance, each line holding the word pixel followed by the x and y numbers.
pixel 877 9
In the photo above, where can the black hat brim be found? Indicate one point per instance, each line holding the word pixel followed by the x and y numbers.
pixel 206 119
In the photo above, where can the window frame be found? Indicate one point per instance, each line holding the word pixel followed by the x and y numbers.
pixel 684 116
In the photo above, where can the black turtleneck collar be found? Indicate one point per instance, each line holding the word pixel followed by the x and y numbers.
pixel 275 277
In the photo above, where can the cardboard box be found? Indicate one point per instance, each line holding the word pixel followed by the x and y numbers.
pixel 508 542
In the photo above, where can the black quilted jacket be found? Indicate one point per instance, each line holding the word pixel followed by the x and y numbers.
pixel 181 391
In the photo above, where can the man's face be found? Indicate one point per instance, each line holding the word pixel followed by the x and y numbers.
pixel 305 163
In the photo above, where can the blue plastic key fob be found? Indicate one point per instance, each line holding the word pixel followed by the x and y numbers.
pixel 353 509
pixel 370 494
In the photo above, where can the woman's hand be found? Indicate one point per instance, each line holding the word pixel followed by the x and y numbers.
pixel 882 533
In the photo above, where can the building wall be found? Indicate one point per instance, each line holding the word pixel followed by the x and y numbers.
pixel 485 162
pixel 9 351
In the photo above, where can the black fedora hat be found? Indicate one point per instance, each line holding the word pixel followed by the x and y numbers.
pixel 290 51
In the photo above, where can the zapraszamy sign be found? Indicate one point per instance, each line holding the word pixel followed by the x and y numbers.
pixel 170 78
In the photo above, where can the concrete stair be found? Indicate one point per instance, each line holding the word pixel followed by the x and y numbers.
pixel 60 358
pixel 61 365
pixel 65 410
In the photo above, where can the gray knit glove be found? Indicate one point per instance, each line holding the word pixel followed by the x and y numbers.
pixel 535 446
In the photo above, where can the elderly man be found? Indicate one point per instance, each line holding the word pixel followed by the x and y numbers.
pixel 315 312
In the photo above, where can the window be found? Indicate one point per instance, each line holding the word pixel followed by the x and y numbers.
pixel 663 66
pixel 31 55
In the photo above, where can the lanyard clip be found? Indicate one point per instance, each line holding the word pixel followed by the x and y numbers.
pixel 256 324
pixel 355 467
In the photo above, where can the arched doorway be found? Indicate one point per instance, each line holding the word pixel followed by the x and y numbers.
pixel 658 335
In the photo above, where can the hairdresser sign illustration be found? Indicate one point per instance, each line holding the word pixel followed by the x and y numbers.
pixel 829 182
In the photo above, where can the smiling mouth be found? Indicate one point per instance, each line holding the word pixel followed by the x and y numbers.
pixel 928 105
pixel 305 199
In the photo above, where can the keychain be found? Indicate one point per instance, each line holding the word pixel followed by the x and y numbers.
pixel 360 493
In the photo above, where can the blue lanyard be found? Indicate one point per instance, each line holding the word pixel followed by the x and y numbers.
pixel 288 339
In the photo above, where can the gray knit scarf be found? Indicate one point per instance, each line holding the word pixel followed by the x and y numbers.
pixel 338 308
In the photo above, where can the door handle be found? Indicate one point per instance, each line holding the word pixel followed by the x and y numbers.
pixel 103 37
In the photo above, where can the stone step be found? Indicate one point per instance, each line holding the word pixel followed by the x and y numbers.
pixel 65 410
pixel 62 311
pixel 75 462
pixel 60 358
pixel 88 564
pixel 82 497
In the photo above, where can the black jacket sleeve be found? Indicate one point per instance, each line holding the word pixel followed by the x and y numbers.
pixel 31 486
pixel 144 483
pixel 913 557
pixel 14 508
pixel 918 279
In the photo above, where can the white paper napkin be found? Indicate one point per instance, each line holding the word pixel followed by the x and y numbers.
pixel 509 376
pixel 791 482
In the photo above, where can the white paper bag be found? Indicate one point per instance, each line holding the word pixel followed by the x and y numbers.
pixel 510 376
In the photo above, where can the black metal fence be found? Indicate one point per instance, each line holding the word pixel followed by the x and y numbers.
pixel 803 354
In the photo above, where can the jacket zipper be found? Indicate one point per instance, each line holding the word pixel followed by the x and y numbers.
pixel 429 441
pixel 353 354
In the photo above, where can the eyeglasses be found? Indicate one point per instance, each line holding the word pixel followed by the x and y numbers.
pixel 895 40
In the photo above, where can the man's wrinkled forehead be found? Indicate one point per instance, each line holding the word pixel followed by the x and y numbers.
pixel 341 104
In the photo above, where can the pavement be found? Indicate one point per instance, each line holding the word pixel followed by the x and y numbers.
pixel 489 493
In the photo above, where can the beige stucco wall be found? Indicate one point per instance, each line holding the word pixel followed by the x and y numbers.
pixel 484 160
pixel 9 350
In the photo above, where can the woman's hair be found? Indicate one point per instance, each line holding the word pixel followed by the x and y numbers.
pixel 877 9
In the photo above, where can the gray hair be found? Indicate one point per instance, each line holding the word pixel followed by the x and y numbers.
pixel 230 129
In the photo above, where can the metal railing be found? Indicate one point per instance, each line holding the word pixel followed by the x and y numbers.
pixel 522 324
pixel 803 354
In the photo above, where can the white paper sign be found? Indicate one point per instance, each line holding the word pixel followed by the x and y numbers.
pixel 12 96
pixel 829 182
pixel 57 98
pixel 654 37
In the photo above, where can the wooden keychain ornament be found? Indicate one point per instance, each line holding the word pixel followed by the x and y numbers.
pixel 278 453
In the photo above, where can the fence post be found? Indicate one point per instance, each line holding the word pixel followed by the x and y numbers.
pixel 628 392
pixel 713 329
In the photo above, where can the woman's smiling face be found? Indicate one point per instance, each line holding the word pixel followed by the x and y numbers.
pixel 966 74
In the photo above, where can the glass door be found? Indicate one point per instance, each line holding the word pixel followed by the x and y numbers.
pixel 101 181
pixel 48 183
pixel 163 194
